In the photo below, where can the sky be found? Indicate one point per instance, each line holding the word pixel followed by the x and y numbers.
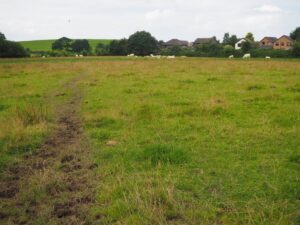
pixel 165 19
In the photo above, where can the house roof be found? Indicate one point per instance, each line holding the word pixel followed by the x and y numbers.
pixel 176 42
pixel 285 36
pixel 270 39
pixel 205 40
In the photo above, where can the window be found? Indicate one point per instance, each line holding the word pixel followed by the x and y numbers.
pixel 240 45
pixel 263 43
pixel 277 44
pixel 282 43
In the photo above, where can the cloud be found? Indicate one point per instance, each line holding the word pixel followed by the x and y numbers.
pixel 159 14
pixel 184 19
pixel 269 9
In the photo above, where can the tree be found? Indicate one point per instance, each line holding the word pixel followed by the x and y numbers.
pixel 102 49
pixel 250 37
pixel 80 46
pixel 160 44
pixel 12 49
pixel 226 39
pixel 118 47
pixel 246 46
pixel 63 43
pixel 142 43
pixel 233 40
pixel 2 36
pixel 229 40
pixel 296 49
pixel 296 34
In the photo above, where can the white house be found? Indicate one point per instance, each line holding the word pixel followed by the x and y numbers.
pixel 238 45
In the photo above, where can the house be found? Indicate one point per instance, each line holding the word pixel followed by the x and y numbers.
pixel 238 45
pixel 267 42
pixel 176 42
pixel 200 41
pixel 283 43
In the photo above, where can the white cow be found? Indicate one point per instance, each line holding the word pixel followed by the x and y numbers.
pixel 171 57
pixel 155 56
pixel 231 57
pixel 43 57
pixel 80 56
pixel 247 56
pixel 268 57
pixel 76 56
pixel 131 55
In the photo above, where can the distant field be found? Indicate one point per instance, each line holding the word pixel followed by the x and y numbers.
pixel 184 141
pixel 45 45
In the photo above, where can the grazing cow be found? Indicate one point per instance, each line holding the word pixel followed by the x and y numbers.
pixel 80 56
pixel 131 55
pixel 76 56
pixel 268 57
pixel 247 56
pixel 171 57
pixel 43 57
pixel 231 57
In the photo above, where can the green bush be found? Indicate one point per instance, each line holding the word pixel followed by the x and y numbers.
pixel 209 50
pixel 262 53
pixel 228 50
pixel 60 53
pixel 9 49
pixel 296 49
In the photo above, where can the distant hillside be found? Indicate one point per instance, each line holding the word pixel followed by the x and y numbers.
pixel 45 45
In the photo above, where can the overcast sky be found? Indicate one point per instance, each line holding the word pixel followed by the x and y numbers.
pixel 165 19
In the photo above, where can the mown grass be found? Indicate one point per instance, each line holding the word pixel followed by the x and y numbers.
pixel 46 45
pixel 184 141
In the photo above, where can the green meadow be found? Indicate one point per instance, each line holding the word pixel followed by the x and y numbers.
pixel 178 141
pixel 46 45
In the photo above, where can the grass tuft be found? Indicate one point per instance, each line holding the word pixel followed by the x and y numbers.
pixel 254 87
pixel 32 114
pixel 3 107
pixel 103 122
pixel 295 158
pixel 295 88
pixel 163 154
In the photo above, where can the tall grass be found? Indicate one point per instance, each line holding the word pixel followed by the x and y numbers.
pixel 31 114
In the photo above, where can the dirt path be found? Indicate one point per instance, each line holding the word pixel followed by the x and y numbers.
pixel 54 185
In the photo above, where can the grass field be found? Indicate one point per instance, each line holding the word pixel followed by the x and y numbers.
pixel 183 141
pixel 46 45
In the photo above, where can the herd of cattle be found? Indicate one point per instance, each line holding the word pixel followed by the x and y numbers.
pixel 246 56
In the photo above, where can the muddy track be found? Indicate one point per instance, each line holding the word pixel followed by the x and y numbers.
pixel 54 185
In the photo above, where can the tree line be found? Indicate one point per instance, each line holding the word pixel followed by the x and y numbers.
pixel 142 43
pixel 11 49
